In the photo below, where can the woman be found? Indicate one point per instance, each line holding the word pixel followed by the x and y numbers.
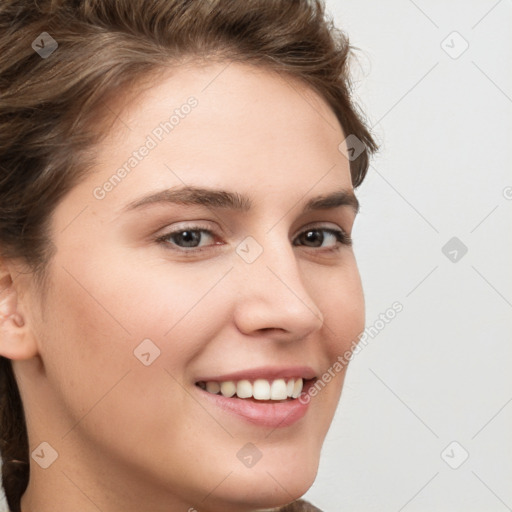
pixel 177 277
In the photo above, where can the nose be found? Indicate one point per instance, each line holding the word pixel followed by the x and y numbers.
pixel 272 298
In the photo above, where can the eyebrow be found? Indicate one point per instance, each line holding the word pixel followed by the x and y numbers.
pixel 216 198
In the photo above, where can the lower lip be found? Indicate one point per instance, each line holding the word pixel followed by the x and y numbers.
pixel 264 414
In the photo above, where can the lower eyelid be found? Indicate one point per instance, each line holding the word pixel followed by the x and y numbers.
pixel 341 236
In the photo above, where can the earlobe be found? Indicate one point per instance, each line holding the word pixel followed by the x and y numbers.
pixel 16 339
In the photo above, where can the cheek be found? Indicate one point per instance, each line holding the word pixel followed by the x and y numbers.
pixel 100 314
pixel 339 296
pixel 97 331
pixel 83 345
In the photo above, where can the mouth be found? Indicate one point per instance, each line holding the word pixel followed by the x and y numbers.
pixel 259 397
pixel 258 390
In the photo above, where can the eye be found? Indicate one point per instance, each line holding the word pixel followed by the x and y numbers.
pixel 191 237
pixel 316 237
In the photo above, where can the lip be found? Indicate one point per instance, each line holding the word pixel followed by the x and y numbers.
pixel 264 413
pixel 269 373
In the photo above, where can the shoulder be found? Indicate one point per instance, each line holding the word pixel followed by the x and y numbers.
pixel 299 506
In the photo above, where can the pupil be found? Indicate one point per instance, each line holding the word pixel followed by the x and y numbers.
pixel 314 236
pixel 189 237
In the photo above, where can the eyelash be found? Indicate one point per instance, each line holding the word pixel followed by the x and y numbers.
pixel 339 234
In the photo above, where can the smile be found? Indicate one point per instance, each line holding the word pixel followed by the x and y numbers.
pixel 264 396
pixel 259 389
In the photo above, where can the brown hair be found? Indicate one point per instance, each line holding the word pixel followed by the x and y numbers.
pixel 50 105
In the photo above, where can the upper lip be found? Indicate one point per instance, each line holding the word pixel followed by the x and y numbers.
pixel 268 373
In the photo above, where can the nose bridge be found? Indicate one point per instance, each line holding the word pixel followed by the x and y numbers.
pixel 271 292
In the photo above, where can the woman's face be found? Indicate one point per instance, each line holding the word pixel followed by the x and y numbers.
pixel 252 285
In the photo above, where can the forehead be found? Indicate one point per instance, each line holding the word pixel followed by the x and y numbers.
pixel 236 104
pixel 221 124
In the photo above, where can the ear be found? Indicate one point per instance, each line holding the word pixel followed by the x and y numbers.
pixel 16 338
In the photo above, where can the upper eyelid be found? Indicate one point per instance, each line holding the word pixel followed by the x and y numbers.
pixel 197 227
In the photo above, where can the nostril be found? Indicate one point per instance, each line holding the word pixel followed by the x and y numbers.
pixel 270 329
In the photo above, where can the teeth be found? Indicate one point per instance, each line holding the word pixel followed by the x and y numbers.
pixel 278 390
pixel 289 387
pixel 297 388
pixel 260 389
pixel 213 387
pixel 228 389
pixel 244 389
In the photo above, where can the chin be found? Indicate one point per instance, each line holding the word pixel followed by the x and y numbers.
pixel 269 485
pixel 261 495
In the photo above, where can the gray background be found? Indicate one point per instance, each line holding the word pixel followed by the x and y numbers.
pixel 439 372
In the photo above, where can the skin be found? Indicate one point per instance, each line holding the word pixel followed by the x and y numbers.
pixel 132 437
